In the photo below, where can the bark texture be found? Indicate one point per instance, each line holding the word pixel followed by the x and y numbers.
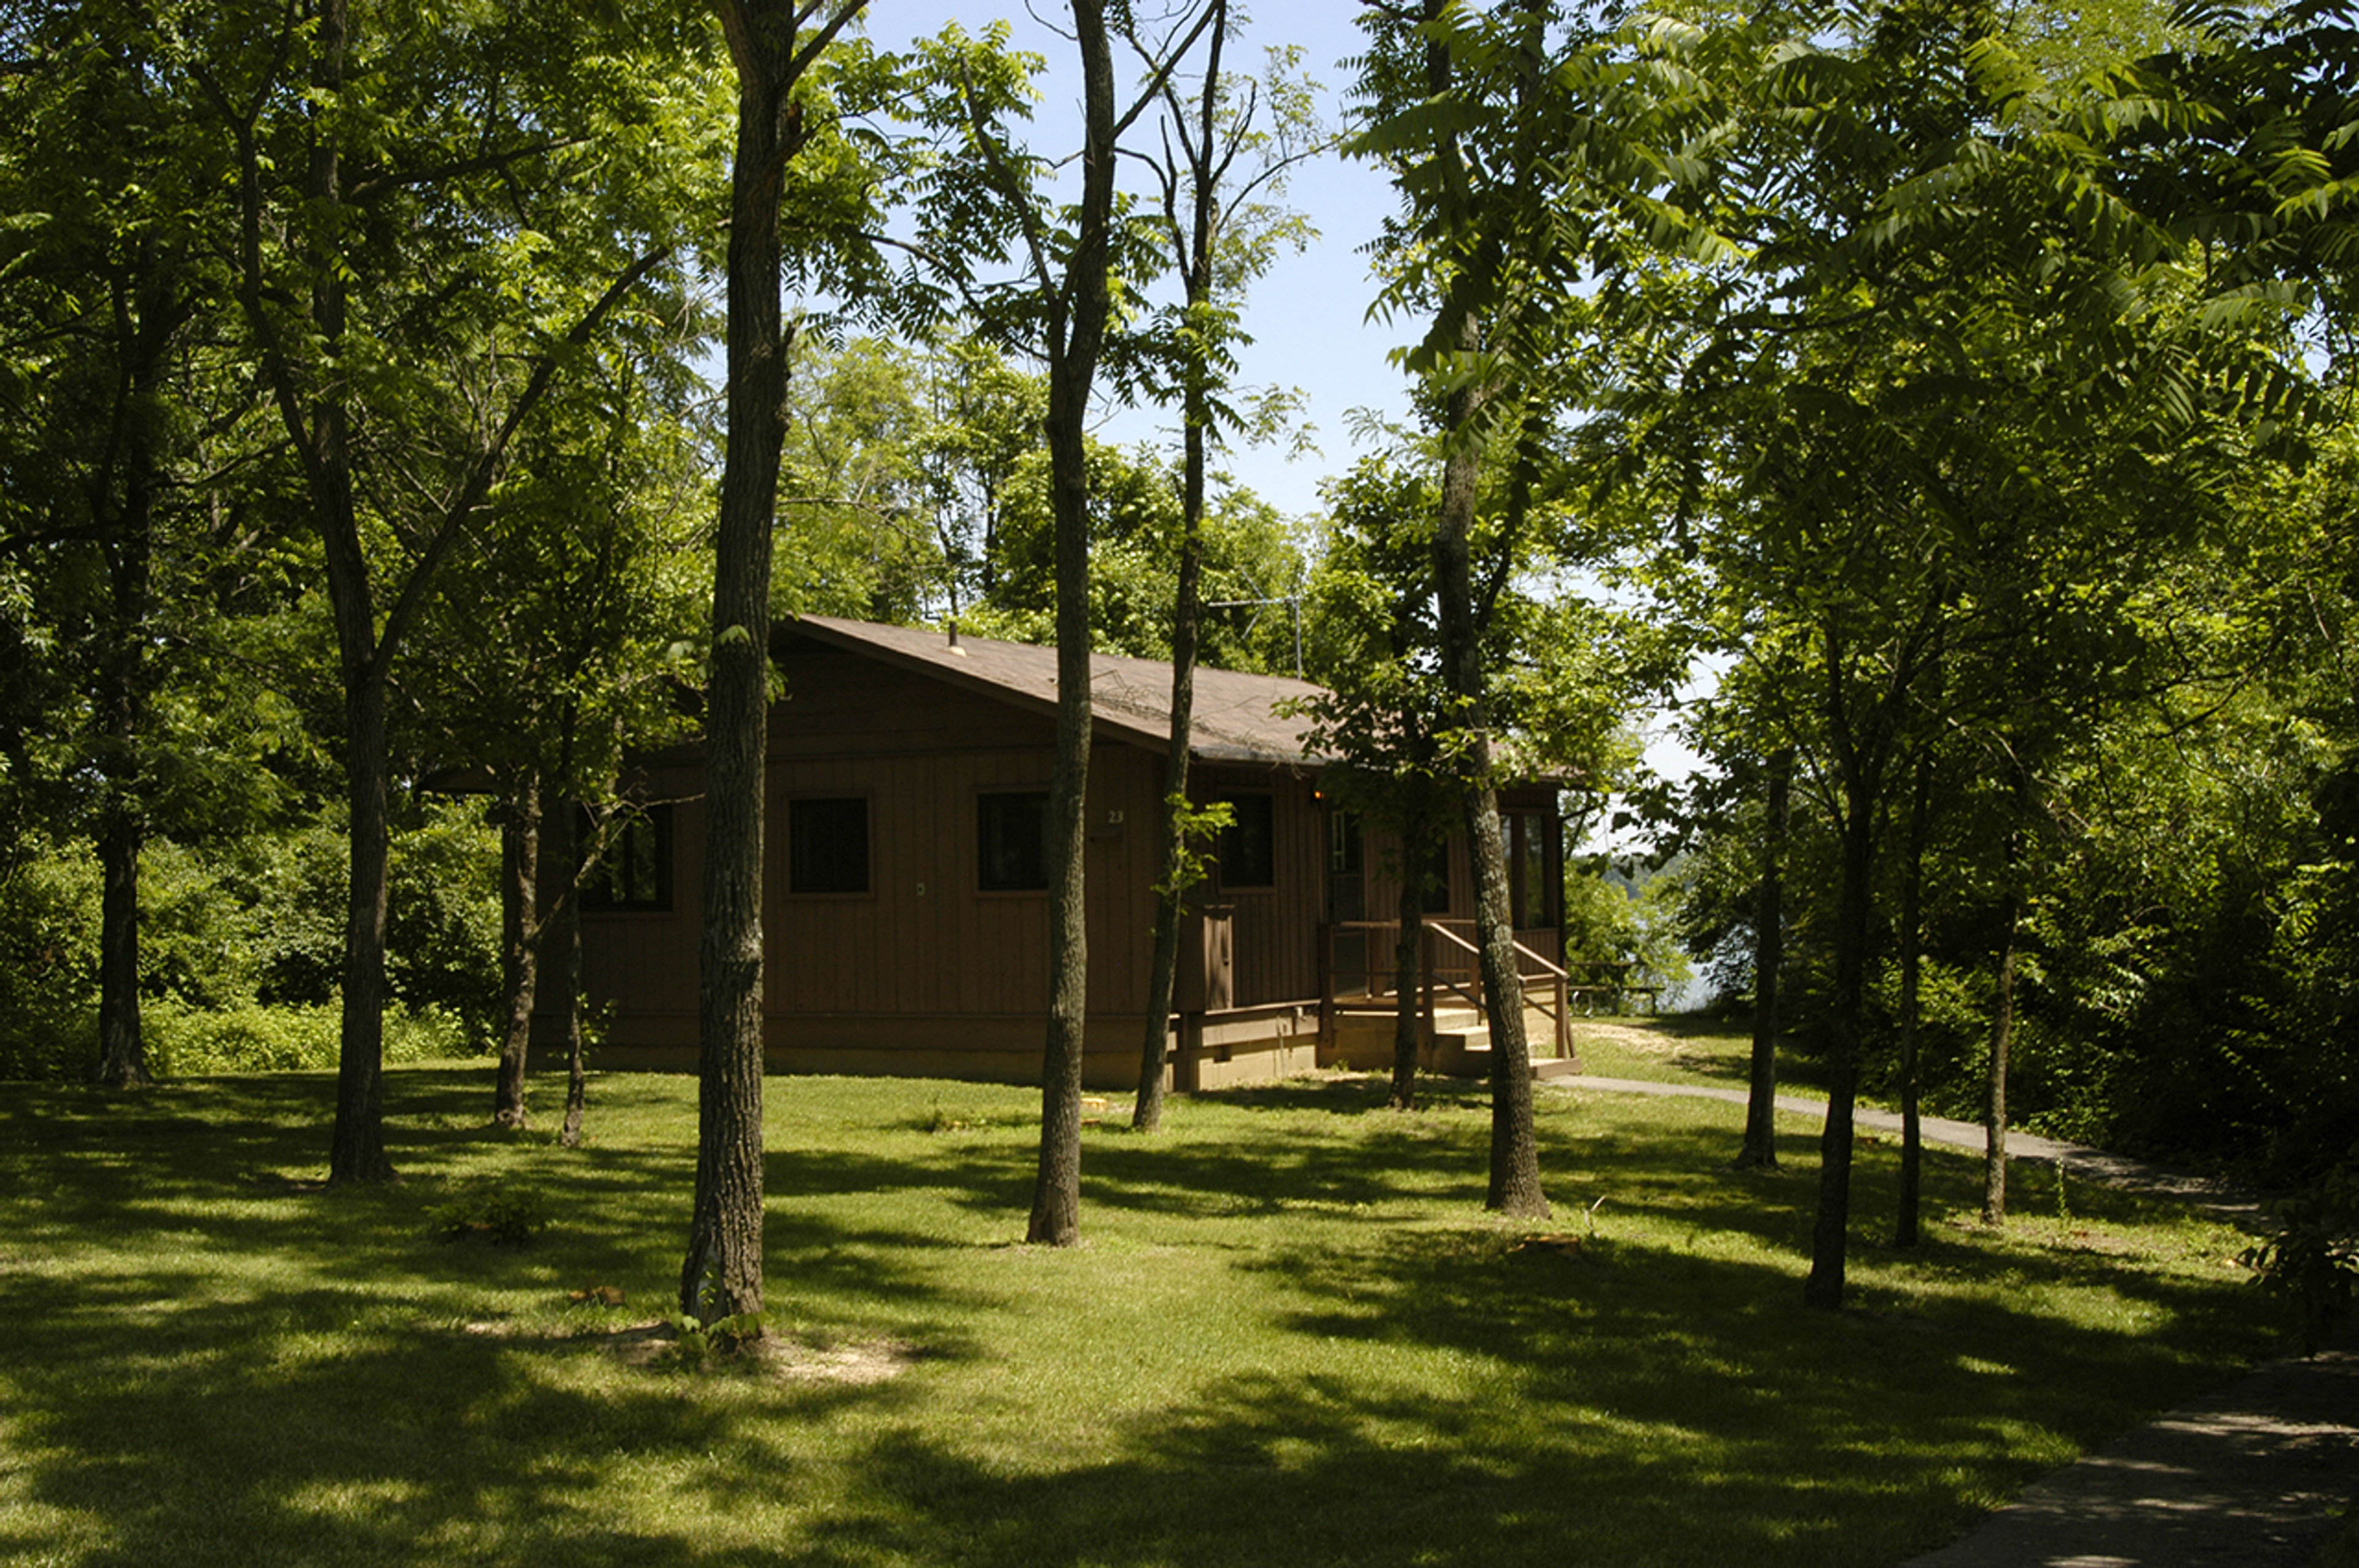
pixel 1514 1184
pixel 722 1274
pixel 1830 1236
pixel 1077 318
pixel 519 947
pixel 122 1042
pixel 1760 1146
pixel 2002 1038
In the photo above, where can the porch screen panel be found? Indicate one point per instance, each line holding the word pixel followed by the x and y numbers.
pixel 1435 877
pixel 1527 850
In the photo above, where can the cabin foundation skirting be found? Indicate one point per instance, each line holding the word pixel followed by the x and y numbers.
pixel 1207 1051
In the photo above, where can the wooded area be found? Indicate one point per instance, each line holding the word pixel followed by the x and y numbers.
pixel 1965 389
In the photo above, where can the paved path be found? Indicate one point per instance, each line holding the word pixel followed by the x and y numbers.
pixel 2256 1475
pixel 2114 1170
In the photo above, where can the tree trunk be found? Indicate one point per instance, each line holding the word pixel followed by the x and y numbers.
pixel 1904 1230
pixel 1859 760
pixel 2002 1038
pixel 122 1045
pixel 1077 329
pixel 357 1152
pixel 519 944
pixel 577 1091
pixel 1514 1185
pixel 1830 1238
pixel 722 1274
pixel 1196 419
pixel 1407 973
pixel 1170 898
pixel 1760 1147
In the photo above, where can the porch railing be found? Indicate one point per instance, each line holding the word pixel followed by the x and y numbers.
pixel 1449 962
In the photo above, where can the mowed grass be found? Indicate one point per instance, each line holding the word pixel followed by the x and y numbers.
pixel 1291 1337
pixel 1684 1048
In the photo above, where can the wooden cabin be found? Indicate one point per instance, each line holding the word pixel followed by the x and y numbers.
pixel 906 911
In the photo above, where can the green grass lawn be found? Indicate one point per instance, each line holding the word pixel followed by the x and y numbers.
pixel 1685 1048
pixel 1292 1336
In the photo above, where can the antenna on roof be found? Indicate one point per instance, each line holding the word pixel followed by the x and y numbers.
pixel 1294 600
pixel 954 641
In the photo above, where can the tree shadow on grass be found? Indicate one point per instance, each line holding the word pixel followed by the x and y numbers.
pixel 233 1445
pixel 286 1376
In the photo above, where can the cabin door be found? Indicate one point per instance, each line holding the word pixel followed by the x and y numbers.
pixel 1347 902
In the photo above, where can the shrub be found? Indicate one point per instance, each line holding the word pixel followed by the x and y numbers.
pixel 242 1037
pixel 504 1215
pixel 259 1037
pixel 2311 1265
pixel 48 964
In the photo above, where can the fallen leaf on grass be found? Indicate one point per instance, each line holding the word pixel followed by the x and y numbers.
pixel 1569 1246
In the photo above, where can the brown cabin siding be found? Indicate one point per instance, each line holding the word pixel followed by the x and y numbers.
pixel 924 971
pixel 925 943
pixel 1275 929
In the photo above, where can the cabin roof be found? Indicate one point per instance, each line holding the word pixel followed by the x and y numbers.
pixel 1233 718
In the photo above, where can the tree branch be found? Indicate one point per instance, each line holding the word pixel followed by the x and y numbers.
pixel 487 463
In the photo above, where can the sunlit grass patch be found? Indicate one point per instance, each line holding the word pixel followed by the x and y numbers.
pixel 1291 1334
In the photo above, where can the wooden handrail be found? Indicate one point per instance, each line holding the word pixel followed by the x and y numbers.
pixel 1557 978
pixel 1440 930
pixel 1547 965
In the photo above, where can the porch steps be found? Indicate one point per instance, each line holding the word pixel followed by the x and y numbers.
pixel 1467 1055
pixel 1461 1047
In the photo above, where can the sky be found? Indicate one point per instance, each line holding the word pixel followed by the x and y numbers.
pixel 1308 317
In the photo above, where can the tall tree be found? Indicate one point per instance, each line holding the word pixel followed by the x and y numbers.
pixel 1221 236
pixel 1059 309
pixel 122 397
pixel 776 46
pixel 421 249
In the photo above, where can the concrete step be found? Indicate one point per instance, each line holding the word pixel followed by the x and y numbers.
pixel 1460 1052
pixel 1467 1055
pixel 1460 1046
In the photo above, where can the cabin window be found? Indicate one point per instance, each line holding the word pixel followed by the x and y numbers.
pixel 635 874
pixel 1012 841
pixel 827 845
pixel 1249 843
pixel 1527 862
